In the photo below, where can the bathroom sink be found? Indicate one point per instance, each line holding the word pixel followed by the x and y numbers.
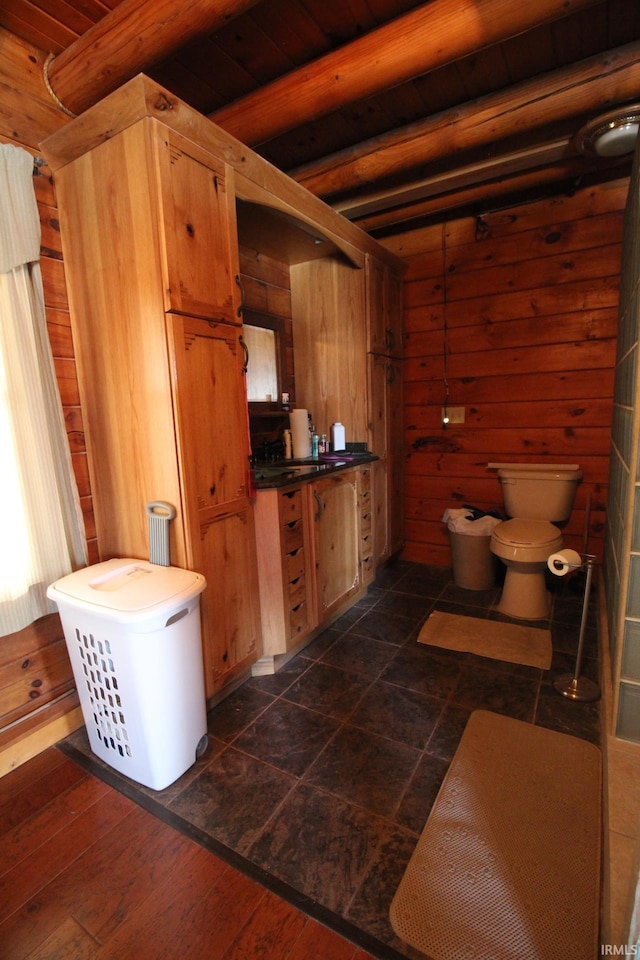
pixel 272 473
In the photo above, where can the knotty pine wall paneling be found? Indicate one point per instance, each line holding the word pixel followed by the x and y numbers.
pixel 517 312
pixel 34 667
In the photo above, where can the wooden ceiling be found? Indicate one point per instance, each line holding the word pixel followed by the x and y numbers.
pixel 396 112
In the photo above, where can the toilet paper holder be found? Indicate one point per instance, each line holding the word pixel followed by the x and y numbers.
pixel 573 686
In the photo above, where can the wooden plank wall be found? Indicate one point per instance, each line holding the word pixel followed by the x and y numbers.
pixel 34 666
pixel 517 310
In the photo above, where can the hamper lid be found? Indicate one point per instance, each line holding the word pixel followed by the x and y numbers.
pixel 127 585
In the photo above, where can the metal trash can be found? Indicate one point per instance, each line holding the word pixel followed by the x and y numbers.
pixel 132 630
pixel 474 565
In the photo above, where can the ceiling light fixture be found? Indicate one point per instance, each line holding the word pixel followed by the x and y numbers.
pixel 612 135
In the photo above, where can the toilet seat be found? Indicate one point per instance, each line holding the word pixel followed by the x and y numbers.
pixel 526 532
pixel 525 541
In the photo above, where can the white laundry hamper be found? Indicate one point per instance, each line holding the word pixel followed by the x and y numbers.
pixel 132 630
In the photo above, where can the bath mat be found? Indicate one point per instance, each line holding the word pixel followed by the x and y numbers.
pixel 512 642
pixel 508 864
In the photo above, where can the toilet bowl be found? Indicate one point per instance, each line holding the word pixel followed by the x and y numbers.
pixel 534 495
pixel 524 547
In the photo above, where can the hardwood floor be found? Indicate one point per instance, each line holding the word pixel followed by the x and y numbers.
pixel 86 874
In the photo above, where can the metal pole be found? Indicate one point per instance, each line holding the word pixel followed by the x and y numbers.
pixel 574 686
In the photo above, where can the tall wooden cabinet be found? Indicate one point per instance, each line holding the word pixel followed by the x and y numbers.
pixel 147 233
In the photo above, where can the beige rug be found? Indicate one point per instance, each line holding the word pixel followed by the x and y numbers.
pixel 489 638
pixel 508 863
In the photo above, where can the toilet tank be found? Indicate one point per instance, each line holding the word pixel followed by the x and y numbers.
pixel 539 491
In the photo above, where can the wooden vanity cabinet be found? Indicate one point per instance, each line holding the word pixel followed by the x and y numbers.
pixel 285 568
pixel 315 556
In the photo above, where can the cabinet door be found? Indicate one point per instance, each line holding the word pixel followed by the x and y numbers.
pixel 199 233
pixel 209 396
pixel 394 314
pixel 375 273
pixel 378 405
pixel 384 309
pixel 231 631
pixel 387 441
pixel 396 457
pixel 336 541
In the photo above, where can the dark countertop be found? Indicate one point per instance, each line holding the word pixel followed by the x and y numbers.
pixel 282 473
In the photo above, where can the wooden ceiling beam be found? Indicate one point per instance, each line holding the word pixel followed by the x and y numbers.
pixel 128 40
pixel 435 34
pixel 474 194
pixel 599 83
pixel 458 178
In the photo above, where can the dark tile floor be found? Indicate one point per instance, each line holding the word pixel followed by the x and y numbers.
pixel 321 777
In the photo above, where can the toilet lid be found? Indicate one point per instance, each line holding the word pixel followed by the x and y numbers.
pixel 538 532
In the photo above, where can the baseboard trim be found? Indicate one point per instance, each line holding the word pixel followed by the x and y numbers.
pixel 24 740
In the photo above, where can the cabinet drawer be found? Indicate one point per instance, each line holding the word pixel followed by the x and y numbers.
pixel 296 592
pixel 298 620
pixel 295 564
pixel 290 506
pixel 365 524
pixel 292 536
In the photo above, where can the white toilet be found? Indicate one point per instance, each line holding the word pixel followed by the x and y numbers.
pixel 535 497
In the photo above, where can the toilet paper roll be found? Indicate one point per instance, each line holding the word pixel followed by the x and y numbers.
pixel 299 420
pixel 564 561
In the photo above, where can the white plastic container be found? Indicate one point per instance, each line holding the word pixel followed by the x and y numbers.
pixel 132 630
pixel 338 441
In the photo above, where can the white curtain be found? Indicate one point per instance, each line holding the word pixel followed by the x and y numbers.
pixel 41 529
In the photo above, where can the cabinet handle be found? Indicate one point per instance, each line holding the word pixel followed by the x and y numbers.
pixel 246 354
pixel 391 338
pixel 391 373
pixel 320 504
pixel 240 310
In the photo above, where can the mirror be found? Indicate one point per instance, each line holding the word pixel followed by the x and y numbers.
pixel 262 371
